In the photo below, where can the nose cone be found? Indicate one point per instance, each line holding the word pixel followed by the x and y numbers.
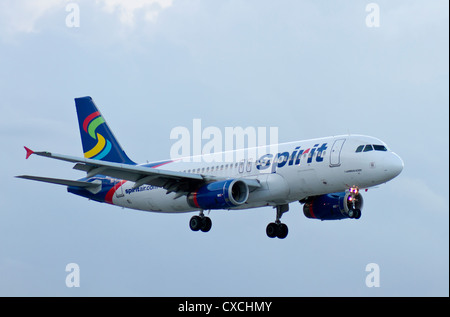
pixel 393 165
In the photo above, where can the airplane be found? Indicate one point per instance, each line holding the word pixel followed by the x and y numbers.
pixel 326 175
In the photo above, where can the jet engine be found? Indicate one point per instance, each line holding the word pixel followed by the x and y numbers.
pixel 334 206
pixel 219 195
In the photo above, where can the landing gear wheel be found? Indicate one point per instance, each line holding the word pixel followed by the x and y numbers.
pixel 200 223
pixel 206 224
pixel 195 223
pixel 279 230
pixel 351 213
pixel 354 213
pixel 282 231
pixel 271 230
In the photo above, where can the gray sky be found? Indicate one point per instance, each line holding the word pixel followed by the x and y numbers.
pixel 310 68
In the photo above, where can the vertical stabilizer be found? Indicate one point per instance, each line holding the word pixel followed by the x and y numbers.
pixel 97 138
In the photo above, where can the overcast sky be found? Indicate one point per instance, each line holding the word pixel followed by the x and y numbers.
pixel 310 68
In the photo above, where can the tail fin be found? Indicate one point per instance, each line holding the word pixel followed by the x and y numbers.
pixel 97 138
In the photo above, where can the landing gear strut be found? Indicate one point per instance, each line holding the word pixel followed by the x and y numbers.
pixel 278 229
pixel 200 222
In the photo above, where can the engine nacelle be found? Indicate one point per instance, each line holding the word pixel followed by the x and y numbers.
pixel 219 195
pixel 334 206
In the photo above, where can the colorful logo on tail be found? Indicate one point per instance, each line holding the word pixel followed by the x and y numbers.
pixel 103 146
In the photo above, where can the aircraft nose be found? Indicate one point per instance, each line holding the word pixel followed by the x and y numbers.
pixel 394 165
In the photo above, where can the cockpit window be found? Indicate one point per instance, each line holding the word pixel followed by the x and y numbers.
pixel 379 147
pixel 371 147
pixel 368 148
pixel 360 148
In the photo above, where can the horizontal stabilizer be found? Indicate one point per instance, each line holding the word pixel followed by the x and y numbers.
pixel 66 182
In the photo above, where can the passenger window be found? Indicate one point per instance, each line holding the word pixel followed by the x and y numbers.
pixel 368 148
pixel 249 165
pixel 360 148
pixel 241 166
pixel 379 147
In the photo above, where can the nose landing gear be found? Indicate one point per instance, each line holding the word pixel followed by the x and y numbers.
pixel 354 203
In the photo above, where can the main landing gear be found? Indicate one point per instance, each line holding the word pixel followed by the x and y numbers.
pixel 278 229
pixel 200 222
pixel 274 229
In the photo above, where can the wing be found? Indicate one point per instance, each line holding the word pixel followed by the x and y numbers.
pixel 178 182
pixel 65 182
pixel 181 183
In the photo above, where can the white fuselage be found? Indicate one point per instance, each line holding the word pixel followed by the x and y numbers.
pixel 286 172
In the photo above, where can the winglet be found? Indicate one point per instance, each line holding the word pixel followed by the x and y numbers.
pixel 29 152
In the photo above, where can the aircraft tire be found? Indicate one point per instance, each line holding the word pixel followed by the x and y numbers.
pixel 195 223
pixel 206 224
pixel 282 231
pixel 271 230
